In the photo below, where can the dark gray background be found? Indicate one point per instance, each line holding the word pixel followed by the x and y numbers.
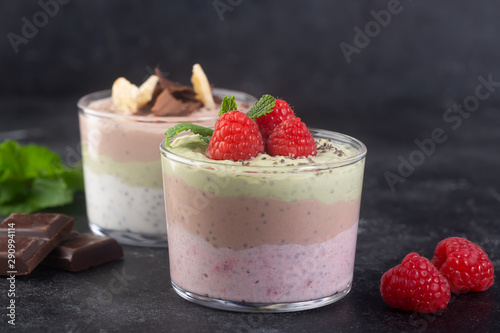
pixel 396 90
pixel 429 54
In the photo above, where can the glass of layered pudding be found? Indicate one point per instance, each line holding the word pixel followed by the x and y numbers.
pixel 271 233
pixel 120 135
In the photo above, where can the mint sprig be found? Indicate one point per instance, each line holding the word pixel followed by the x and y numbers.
pixel 204 133
pixel 228 104
pixel 262 106
pixel 32 178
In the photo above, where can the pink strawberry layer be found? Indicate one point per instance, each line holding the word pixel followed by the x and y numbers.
pixel 263 274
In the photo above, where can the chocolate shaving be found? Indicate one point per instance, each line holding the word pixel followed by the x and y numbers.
pixel 218 100
pixel 146 109
pixel 167 105
pixel 174 98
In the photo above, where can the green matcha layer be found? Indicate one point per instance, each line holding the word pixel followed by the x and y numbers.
pixel 321 178
pixel 137 174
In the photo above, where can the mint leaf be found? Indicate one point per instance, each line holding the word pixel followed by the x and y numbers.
pixel 12 183
pixel 46 162
pixel 49 193
pixel 32 178
pixel 73 177
pixel 10 163
pixel 204 133
pixel 228 104
pixel 10 190
pixel 262 106
pixel 16 207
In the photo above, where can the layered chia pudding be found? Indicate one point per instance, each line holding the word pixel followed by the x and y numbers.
pixel 272 233
pixel 122 167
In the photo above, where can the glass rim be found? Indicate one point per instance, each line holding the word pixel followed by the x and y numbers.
pixel 84 102
pixel 252 169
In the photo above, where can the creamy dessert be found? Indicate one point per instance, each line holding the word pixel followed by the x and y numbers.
pixel 271 233
pixel 120 135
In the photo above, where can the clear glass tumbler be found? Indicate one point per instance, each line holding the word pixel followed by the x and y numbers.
pixel 263 237
pixel 122 168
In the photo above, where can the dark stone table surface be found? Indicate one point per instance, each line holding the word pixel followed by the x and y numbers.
pixel 455 191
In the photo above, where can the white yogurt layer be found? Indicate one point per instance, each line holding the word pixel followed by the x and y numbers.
pixel 115 205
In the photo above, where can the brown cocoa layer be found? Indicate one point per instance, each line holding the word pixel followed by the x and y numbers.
pixel 243 222
pixel 128 140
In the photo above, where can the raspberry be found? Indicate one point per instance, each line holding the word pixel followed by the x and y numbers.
pixel 291 138
pixel 236 137
pixel 465 265
pixel 415 285
pixel 269 121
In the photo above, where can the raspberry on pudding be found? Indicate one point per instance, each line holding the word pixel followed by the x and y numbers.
pixel 236 137
pixel 292 138
pixel 267 122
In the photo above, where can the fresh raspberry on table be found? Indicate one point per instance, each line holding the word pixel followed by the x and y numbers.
pixel 415 285
pixel 291 138
pixel 269 121
pixel 236 137
pixel 464 264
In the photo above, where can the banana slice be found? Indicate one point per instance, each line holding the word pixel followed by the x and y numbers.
pixel 146 90
pixel 128 98
pixel 125 96
pixel 202 87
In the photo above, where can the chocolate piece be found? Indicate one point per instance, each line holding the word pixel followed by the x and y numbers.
pixel 218 101
pixel 81 251
pixel 34 237
pixel 146 109
pixel 167 105
pixel 175 99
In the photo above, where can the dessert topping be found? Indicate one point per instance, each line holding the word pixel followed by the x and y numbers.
pixel 269 121
pixel 228 104
pixel 236 137
pixel 202 87
pixel 291 138
pixel 262 106
pixel 174 98
pixel 128 98
pixel 204 133
pixel 168 98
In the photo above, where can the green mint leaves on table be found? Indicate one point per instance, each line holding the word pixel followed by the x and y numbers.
pixel 32 178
